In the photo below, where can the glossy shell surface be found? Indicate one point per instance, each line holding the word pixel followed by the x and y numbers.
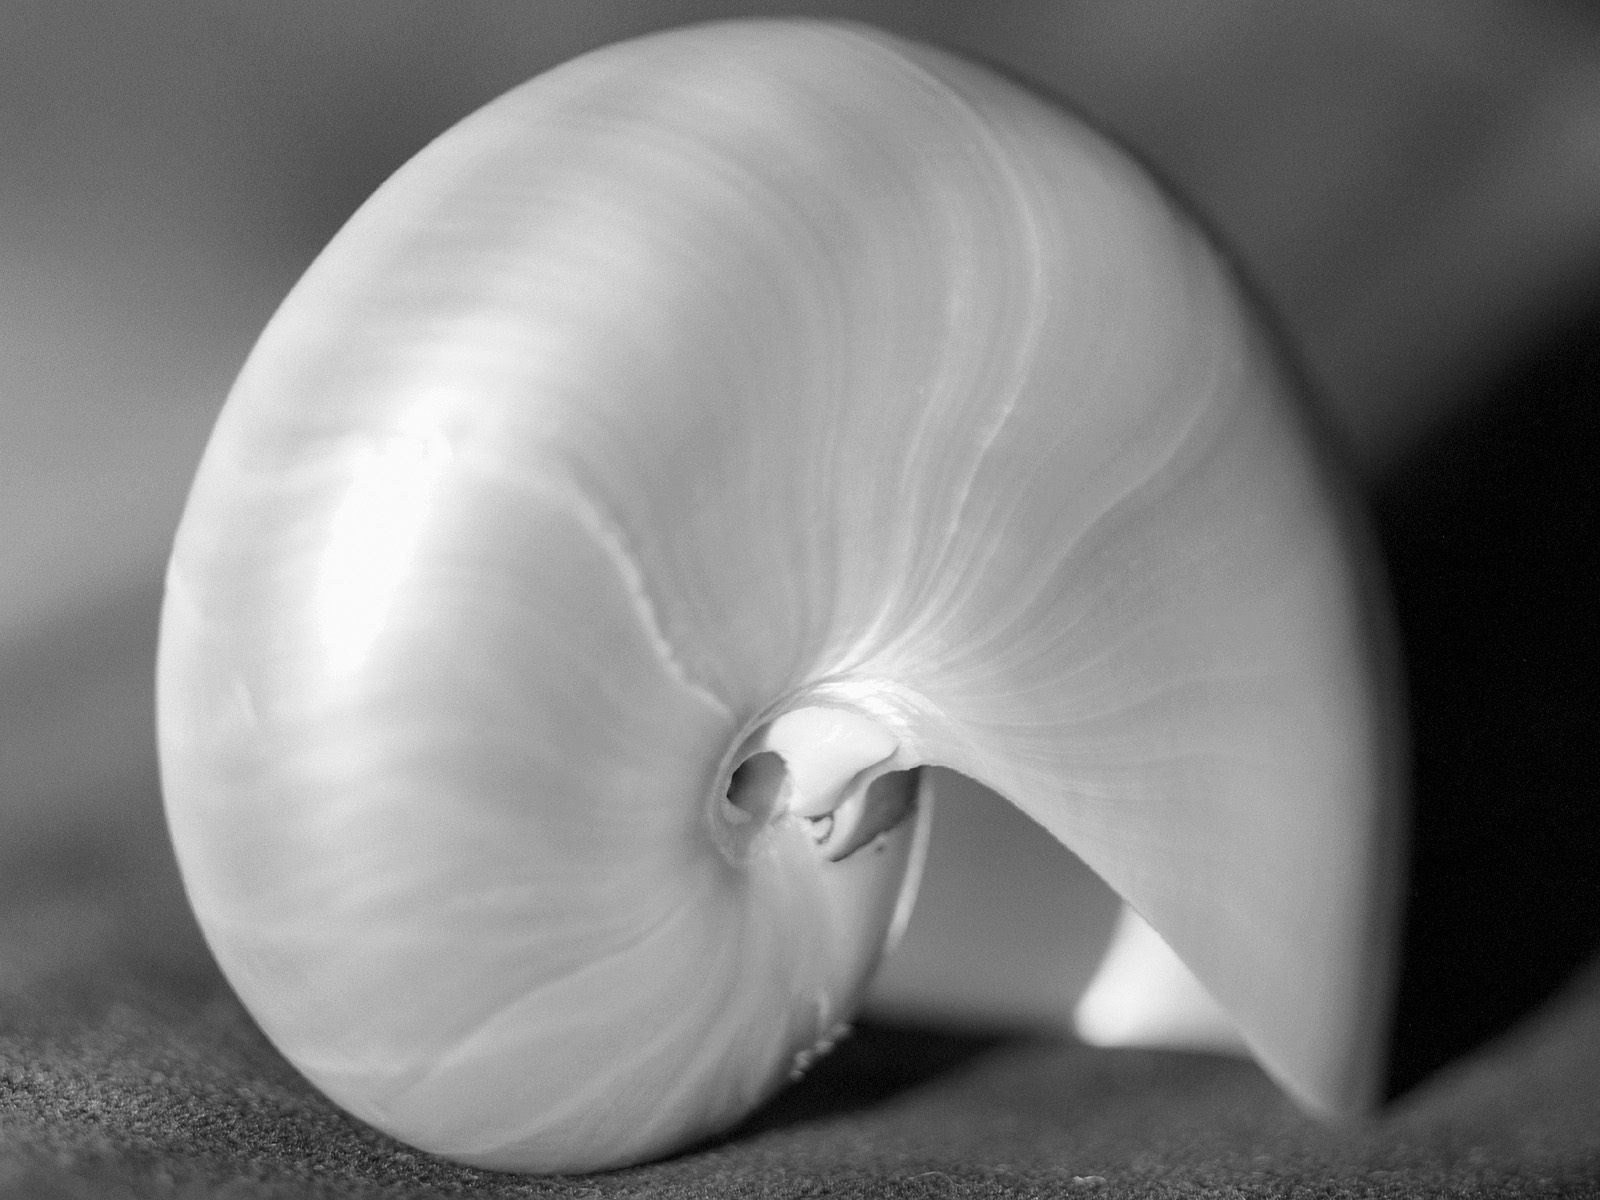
pixel 736 372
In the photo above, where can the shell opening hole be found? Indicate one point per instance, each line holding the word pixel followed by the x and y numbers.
pixel 755 792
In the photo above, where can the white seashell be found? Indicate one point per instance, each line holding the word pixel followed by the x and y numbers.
pixel 776 395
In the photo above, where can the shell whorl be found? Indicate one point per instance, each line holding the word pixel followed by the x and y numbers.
pixel 731 372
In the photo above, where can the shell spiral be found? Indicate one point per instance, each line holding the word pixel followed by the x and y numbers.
pixel 757 389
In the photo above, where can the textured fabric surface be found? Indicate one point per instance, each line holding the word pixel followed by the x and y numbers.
pixel 123 1084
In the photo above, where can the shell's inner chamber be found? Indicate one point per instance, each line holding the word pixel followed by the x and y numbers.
pixel 831 770
pixel 757 790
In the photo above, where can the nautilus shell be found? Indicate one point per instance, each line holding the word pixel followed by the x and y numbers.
pixel 657 472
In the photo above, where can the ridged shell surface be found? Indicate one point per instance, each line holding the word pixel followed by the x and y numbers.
pixel 739 371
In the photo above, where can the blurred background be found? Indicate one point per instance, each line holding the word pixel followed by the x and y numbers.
pixel 1414 187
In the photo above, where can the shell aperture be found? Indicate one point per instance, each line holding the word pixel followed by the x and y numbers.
pixel 663 464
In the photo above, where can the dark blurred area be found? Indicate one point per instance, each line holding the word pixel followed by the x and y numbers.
pixel 1415 189
pixel 1491 535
